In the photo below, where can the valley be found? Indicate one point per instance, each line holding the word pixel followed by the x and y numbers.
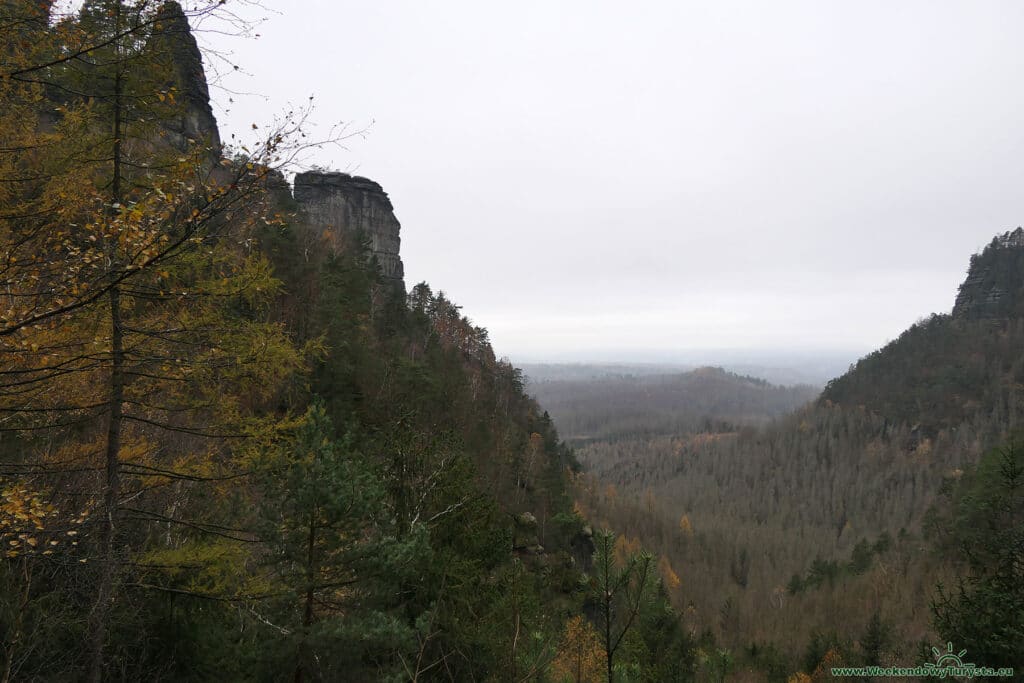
pixel 785 511
pixel 245 437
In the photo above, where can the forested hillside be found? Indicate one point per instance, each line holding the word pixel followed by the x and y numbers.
pixel 956 368
pixel 233 448
pixel 609 406
pixel 800 540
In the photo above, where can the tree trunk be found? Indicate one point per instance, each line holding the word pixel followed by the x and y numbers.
pixel 307 618
pixel 609 654
pixel 112 489
pixel 14 633
pixel 104 594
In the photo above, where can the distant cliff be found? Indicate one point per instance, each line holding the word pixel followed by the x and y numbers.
pixel 353 206
pixel 994 287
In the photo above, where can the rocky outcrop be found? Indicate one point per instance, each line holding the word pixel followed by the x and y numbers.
pixel 173 43
pixel 525 534
pixel 353 207
pixel 994 287
pixel 346 207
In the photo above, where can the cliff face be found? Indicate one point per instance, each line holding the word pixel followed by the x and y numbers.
pixel 346 207
pixel 173 41
pixel 350 206
pixel 994 287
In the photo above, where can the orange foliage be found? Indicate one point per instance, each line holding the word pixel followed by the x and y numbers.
pixel 625 547
pixel 824 670
pixel 668 574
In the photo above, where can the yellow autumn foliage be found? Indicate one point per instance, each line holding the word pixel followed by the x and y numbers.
pixel 668 574
pixel 625 547
pixel 580 655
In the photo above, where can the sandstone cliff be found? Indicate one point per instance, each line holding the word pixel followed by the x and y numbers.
pixel 349 207
pixel 172 40
pixel 994 287
pixel 355 207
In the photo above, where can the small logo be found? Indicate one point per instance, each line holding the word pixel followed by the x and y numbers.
pixel 948 660
pixel 948 664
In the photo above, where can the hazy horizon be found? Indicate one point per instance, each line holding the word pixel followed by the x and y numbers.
pixel 782 367
pixel 666 177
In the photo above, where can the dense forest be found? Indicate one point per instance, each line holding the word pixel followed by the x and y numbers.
pixel 231 449
pixel 615 405
pixel 854 520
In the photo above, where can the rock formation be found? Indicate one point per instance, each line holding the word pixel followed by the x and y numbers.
pixel 351 206
pixel 346 207
pixel 994 287
pixel 173 40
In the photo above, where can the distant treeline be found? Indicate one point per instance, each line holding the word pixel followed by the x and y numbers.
pixel 706 399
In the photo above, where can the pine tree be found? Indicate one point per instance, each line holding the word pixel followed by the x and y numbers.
pixel 618 590
pixel 984 612
pixel 875 640
pixel 332 550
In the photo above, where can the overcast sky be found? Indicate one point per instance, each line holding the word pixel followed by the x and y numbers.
pixel 638 180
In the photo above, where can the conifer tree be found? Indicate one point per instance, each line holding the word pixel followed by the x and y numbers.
pixel 984 611
pixel 332 547
pixel 619 592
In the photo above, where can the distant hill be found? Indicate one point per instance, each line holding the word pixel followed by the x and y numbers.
pixel 618 405
pixel 782 367
pixel 547 372
pixel 941 372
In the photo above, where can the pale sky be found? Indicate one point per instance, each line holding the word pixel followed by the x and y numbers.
pixel 619 180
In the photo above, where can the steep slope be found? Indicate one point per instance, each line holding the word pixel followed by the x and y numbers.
pixel 954 368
